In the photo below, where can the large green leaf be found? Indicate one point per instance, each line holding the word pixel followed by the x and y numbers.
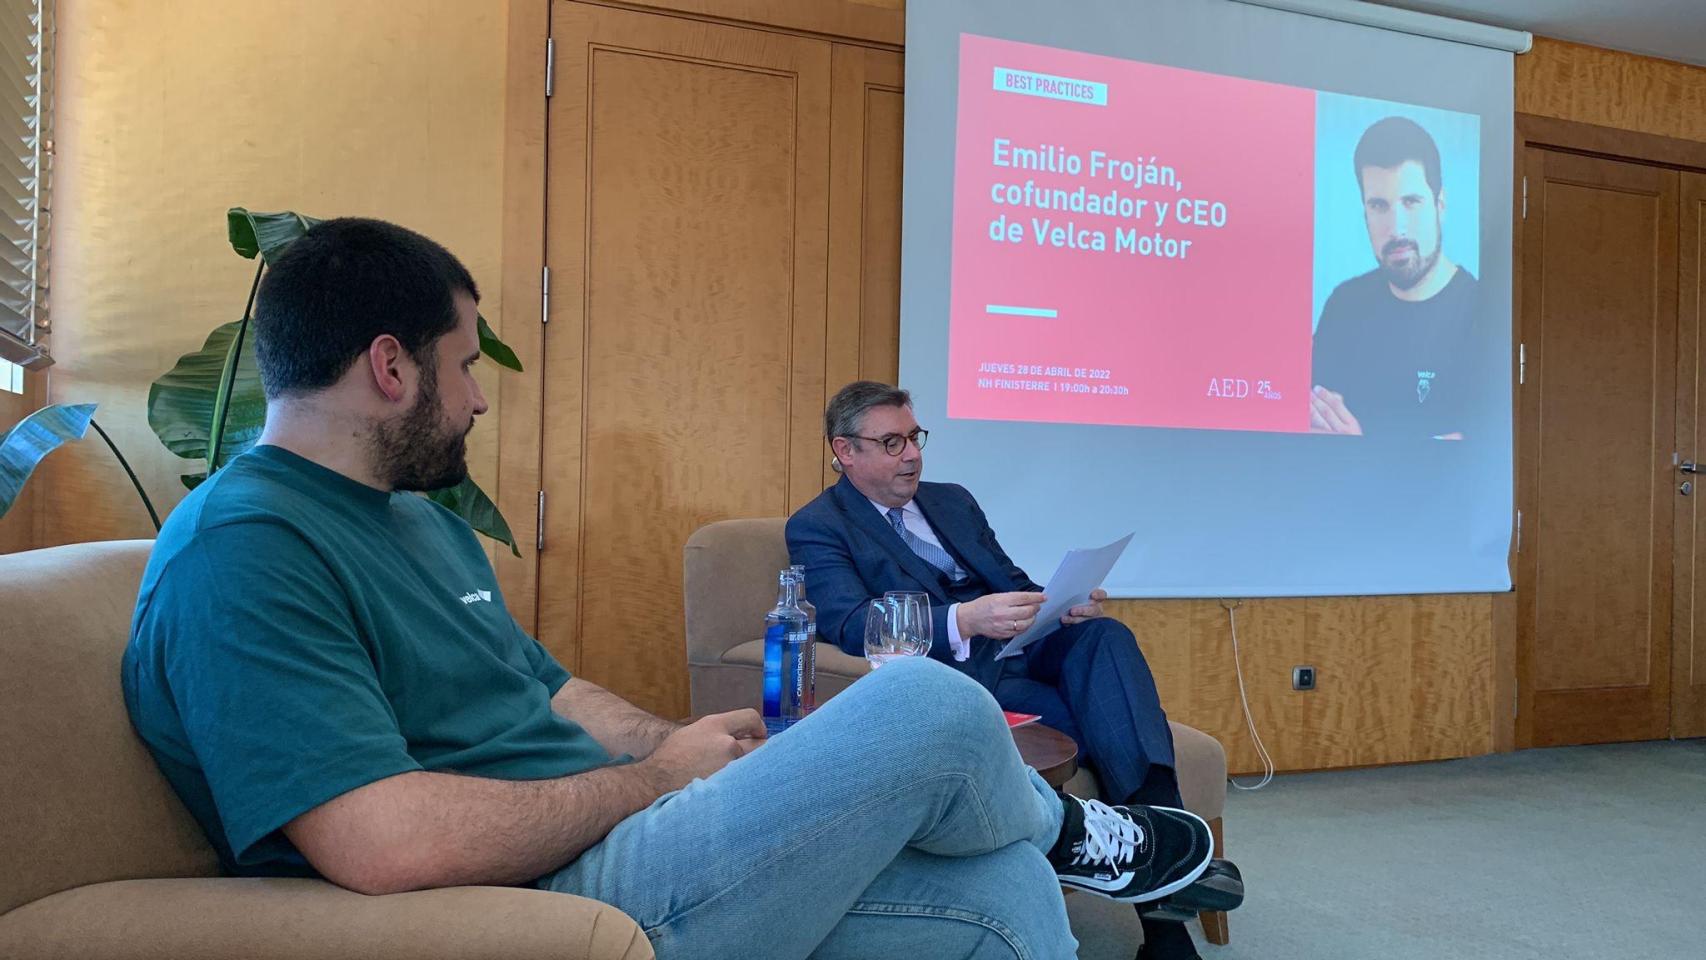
pixel 469 502
pixel 264 234
pixel 36 436
pixel 181 403
pixel 499 351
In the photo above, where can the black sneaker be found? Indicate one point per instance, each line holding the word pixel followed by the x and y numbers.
pixel 1131 854
pixel 1220 888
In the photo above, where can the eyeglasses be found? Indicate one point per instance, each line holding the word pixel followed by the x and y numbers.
pixel 895 443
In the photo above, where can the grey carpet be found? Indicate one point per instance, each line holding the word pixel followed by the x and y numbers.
pixel 1596 853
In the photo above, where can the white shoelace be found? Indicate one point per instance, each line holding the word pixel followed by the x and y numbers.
pixel 1108 837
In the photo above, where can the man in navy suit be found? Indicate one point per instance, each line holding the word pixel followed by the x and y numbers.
pixel 881 528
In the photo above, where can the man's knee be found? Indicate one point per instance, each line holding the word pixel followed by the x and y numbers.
pixel 920 693
pixel 1103 648
pixel 1100 637
pixel 1107 630
pixel 911 677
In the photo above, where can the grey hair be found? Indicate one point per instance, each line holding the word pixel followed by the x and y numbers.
pixel 850 404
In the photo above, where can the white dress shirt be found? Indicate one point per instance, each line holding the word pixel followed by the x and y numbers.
pixel 920 528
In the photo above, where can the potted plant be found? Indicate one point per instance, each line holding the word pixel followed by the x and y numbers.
pixel 209 406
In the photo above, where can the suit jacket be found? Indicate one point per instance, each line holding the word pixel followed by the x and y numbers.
pixel 852 556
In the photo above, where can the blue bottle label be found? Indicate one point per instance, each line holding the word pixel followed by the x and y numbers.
pixel 774 637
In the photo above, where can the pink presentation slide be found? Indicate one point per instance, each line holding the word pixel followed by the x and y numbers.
pixel 1132 244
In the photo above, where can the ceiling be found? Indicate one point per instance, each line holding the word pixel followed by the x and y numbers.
pixel 1672 29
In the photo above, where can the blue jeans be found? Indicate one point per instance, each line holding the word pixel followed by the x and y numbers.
pixel 896 820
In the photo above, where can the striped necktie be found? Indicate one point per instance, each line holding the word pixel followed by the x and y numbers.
pixel 927 551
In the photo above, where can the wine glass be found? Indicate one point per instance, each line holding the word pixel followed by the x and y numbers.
pixel 915 624
pixel 892 631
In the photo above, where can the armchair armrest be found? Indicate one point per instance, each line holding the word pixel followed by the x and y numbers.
pixel 280 919
pixel 1202 771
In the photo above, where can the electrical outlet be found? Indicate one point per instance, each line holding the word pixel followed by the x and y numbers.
pixel 1303 678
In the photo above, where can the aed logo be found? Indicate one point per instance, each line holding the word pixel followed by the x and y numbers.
pixel 1229 388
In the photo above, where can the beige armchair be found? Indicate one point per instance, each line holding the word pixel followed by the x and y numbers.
pixel 730 580
pixel 102 862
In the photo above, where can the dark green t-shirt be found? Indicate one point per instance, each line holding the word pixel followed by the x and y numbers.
pixel 299 634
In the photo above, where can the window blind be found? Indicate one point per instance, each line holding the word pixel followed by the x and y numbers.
pixel 26 117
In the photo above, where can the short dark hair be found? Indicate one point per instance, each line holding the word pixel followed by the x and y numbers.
pixel 345 282
pixel 1390 142
pixel 849 405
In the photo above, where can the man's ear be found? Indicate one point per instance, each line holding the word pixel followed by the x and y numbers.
pixel 841 447
pixel 385 358
pixel 1439 205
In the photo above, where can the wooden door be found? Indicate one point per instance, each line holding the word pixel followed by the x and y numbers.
pixel 686 227
pixel 864 215
pixel 1688 657
pixel 864 219
pixel 1595 478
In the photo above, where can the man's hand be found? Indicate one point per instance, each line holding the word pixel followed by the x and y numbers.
pixel 702 748
pixel 1328 414
pixel 1000 616
pixel 1086 611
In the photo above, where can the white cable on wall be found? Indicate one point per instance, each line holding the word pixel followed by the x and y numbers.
pixel 1244 699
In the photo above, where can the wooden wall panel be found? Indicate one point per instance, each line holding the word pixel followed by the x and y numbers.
pixel 684 360
pixel 1570 81
pixel 1399 679
pixel 1455 707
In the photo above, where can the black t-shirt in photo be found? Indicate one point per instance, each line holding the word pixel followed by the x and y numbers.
pixel 1406 369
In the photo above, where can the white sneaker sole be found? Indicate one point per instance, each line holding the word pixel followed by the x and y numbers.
pixel 1167 890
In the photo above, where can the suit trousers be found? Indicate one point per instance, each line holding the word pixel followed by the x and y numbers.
pixel 1091 682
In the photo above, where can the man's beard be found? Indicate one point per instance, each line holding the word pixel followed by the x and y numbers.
pixel 1406 275
pixel 417 451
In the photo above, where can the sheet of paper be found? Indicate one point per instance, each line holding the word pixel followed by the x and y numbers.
pixel 1080 572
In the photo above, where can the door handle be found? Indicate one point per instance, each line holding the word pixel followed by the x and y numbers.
pixel 1689 466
